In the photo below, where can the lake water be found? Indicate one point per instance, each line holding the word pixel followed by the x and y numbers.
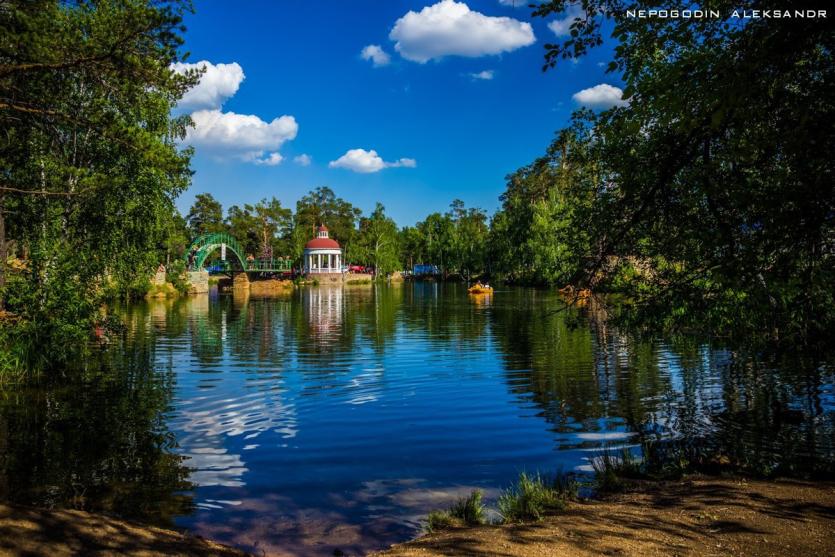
pixel 334 418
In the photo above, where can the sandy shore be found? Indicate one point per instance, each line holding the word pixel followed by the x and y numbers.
pixel 698 516
pixel 59 533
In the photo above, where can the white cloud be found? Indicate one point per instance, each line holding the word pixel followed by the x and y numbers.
pixel 272 159
pixel 562 27
pixel 600 96
pixel 376 54
pixel 240 136
pixel 450 28
pixel 483 75
pixel 218 83
pixel 360 160
pixel 304 159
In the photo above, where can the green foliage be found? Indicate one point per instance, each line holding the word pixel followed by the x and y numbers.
pixel 466 511
pixel 264 230
pixel 321 206
pixel 437 521
pixel 90 157
pixel 469 509
pixel 531 498
pixel 377 242
pixel 205 215
pixel 455 241
pixel 714 179
pixel 176 275
pixel 540 235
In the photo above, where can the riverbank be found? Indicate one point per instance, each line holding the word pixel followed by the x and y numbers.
pixel 696 516
pixel 60 533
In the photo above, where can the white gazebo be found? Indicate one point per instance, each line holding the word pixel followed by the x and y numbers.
pixel 322 254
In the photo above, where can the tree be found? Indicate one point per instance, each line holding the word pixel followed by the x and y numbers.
pixel 205 215
pixel 541 233
pixel 412 247
pixel 321 206
pixel 90 162
pixel 437 230
pixel 717 175
pixel 176 238
pixel 275 225
pixel 377 242
pixel 264 229
pixel 469 236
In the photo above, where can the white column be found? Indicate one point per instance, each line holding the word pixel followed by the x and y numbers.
pixel 319 262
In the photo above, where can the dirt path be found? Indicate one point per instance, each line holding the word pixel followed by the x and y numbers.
pixel 699 516
pixel 34 533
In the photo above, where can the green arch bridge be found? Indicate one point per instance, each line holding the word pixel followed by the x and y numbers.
pixel 203 246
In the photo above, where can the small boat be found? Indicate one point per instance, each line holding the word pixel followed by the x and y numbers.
pixel 479 288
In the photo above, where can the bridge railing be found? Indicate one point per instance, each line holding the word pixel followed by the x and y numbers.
pixel 261 265
pixel 206 244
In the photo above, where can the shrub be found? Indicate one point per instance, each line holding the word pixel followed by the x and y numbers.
pixel 466 511
pixel 440 520
pixel 530 499
pixel 470 509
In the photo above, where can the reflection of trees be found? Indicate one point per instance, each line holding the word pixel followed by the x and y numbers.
pixel 207 318
pixel 260 329
pixel 446 314
pixel 380 307
pixel 759 413
pixel 97 441
pixel 777 413
pixel 548 359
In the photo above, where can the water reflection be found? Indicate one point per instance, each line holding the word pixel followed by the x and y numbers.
pixel 327 418
pixel 99 441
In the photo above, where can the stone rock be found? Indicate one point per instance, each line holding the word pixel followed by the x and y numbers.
pixel 198 282
pixel 271 286
pixel 240 282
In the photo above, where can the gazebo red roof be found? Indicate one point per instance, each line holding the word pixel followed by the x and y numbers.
pixel 322 243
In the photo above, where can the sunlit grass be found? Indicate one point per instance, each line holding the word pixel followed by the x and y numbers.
pixel 534 496
pixel 466 511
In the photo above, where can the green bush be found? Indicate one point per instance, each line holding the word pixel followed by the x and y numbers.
pixel 176 275
pixel 467 511
pixel 440 520
pixel 531 498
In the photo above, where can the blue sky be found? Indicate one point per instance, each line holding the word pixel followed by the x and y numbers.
pixel 440 130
